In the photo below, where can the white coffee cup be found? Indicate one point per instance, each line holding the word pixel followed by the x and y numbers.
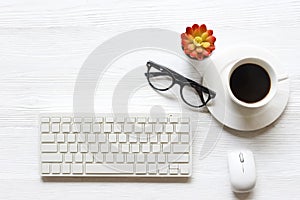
pixel 272 81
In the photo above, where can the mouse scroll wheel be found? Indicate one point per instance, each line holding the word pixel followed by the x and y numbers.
pixel 241 157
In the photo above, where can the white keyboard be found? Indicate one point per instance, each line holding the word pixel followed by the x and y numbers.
pixel 109 145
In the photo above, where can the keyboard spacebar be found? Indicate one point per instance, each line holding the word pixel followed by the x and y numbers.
pixel 109 169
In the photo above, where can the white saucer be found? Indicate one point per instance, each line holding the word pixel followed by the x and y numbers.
pixel 228 112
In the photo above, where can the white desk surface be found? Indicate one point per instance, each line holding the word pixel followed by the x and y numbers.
pixel 42 48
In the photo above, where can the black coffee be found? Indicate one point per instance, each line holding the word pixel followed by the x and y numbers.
pixel 250 83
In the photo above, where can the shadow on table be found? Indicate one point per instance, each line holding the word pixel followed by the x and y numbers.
pixel 118 179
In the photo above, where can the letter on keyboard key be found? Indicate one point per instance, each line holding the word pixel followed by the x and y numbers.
pixel 49 147
pixel 109 169
pixel 51 157
pixel 178 158
pixel 181 148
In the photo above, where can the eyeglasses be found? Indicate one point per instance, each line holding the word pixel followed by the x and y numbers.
pixel 192 93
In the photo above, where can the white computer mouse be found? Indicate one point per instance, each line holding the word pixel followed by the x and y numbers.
pixel 241 170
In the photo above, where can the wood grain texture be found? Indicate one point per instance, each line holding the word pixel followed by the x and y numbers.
pixel 43 45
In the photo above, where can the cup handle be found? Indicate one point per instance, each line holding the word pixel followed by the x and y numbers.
pixel 282 77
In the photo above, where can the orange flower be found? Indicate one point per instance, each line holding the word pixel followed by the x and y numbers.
pixel 198 42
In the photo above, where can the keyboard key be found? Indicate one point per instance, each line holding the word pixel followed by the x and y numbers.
pixel 107 128
pixel 77 120
pixel 49 147
pixel 152 169
pixel 112 137
pixel 140 169
pixel 91 137
pixel 55 127
pixel 122 138
pixel 120 119
pixel 120 158
pixel 158 128
pixel 73 148
pixel 143 138
pixel 153 138
pixel 68 157
pixel 45 119
pixel 88 119
pixel 66 119
pixel 102 138
pixel 45 128
pixel 66 168
pixel 128 128
pixel 138 128
pixel 162 168
pixel 174 171
pixel 109 169
pixel 81 138
pixel 184 169
pixel 99 158
pixel 164 138
pixel 109 119
pixel 173 120
pixel 145 148
pixel 51 157
pixel 63 148
pixel 130 158
pixel 161 158
pixel 181 148
pixel 155 148
pixel 104 148
pixel 71 138
pixel 77 169
pixel 169 128
pixel 174 138
pixel 89 157
pixel 109 158
pixel 130 119
pixel 133 138
pixel 94 147
pixel 178 158
pixel 55 168
pixel 117 128
pixel 76 128
pixel 140 158
pixel 84 148
pixel 96 128
pixel 99 119
pixel 55 119
pixel 45 168
pixel 151 158
pixel 125 148
pixel 148 128
pixel 141 120
pixel 86 128
pixel 135 148
pixel 162 120
pixel 60 138
pixel 114 147
pixel 182 128
pixel 166 148
pixel 184 138
pixel 65 128
pixel 78 157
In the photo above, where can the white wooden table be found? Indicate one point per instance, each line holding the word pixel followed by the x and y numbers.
pixel 44 44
